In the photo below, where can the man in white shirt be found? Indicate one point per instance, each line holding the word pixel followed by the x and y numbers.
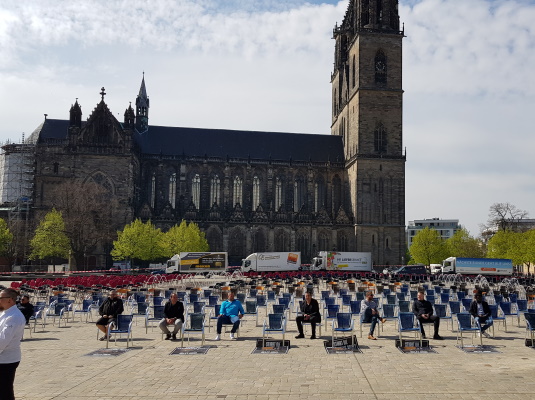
pixel 11 330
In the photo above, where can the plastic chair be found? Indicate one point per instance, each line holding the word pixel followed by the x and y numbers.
pixel 157 315
pixel 530 327
pixel 55 310
pixel 346 300
pixel 391 299
pixel 521 308
pixel 85 308
pixel 123 324
pixel 261 302
pixel 332 311
pixel 466 302
pixel 444 297
pixel 251 309
pixel 464 321
pixel 196 325
pixel 407 322
pixel 441 311
pixel 507 310
pixel 497 316
pixel 344 324
pixel 276 323
pixel 404 306
pixel 214 314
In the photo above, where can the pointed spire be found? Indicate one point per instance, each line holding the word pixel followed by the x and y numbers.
pixel 142 107
pixel 76 115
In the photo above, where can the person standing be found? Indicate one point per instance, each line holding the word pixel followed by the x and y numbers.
pixel 230 312
pixel 109 310
pixel 12 323
pixel 310 310
pixel 173 313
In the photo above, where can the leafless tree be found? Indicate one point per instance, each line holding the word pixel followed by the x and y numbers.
pixel 505 216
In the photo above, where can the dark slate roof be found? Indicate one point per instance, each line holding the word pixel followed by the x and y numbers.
pixel 171 141
pixel 241 144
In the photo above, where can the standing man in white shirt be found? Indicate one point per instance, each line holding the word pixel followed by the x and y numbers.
pixel 11 330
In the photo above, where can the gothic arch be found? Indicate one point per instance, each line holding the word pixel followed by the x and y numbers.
pixel 214 236
pixel 381 69
pixel 236 244
pixel 101 178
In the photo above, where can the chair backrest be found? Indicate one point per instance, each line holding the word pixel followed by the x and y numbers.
pixel 401 295
pixel 217 307
pixel 181 296
pixel 142 308
pixel 413 294
pixel 355 307
pixel 444 297
pixel 521 305
pixel 253 292
pixel 122 322
pixel 241 297
pixel 513 297
pixel 346 299
pixel 287 295
pixel 58 307
pixel 440 310
pixel 325 294
pixel 506 307
pixel 261 300
pixel 438 289
pixel 404 305
pixel 360 296
pixel 389 310
pixel 86 304
pixel 343 292
pixel 250 306
pixel 271 295
pixel 498 298
pixel 329 301
pixel 406 321
pixel 275 321
pixel 430 298
pixel 196 321
pixel 212 300
pixel 343 320
pixel 279 308
pixel 193 297
pixel 530 321
pixel 461 295
pixel 465 321
pixel 198 307
pixel 466 303
pixel 285 301
pixel 386 292
pixel 332 310
pixel 157 300
pixel 494 311
pixel 391 299
pixel 207 293
pixel 455 307
pixel 158 312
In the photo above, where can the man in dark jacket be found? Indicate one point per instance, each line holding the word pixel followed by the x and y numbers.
pixel 480 310
pixel 423 310
pixel 109 310
pixel 25 307
pixel 310 313
pixel 173 313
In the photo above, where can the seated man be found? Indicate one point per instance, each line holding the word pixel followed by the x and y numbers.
pixel 25 307
pixel 173 313
pixel 480 310
pixel 109 310
pixel 311 313
pixel 230 312
pixel 423 310
pixel 370 314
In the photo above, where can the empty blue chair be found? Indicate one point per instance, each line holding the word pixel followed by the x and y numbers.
pixel 241 297
pixel 271 295
pixel 198 307
pixel 530 326
pixel 441 311
pixel 251 308
pixel 193 297
pixel 123 324
pixel 466 302
pixel 157 315
pixel 344 324
pixel 391 299
pixel 461 295
pixel 332 310
pixel 444 297
pixel 401 295
pixel 84 308
pixel 195 325
pixel 513 297
pixel 497 315
pixel 206 293
pixel 404 306
pixel 521 308
pixel 360 295
pixel 465 324
pixel 507 311
pixel 214 314
pixel 346 300
pixel 212 300
pixel 141 310
pixel 276 323
pixel 431 299
pixel 157 300
pixel 407 322
pixel 55 310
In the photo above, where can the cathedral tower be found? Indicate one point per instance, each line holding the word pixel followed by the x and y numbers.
pixel 142 108
pixel 367 112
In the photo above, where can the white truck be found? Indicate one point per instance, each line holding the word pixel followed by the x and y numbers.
pixel 270 262
pixel 477 266
pixel 342 261
pixel 197 262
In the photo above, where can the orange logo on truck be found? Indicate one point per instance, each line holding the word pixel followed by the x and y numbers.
pixel 488 269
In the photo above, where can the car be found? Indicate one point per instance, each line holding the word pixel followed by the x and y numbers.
pixel 412 269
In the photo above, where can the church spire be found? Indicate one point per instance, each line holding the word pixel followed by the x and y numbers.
pixel 75 115
pixel 142 108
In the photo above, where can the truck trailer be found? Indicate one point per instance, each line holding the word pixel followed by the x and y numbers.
pixel 342 261
pixel 272 262
pixel 197 262
pixel 477 266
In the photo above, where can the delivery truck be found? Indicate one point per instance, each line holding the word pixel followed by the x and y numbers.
pixel 191 262
pixel 477 266
pixel 342 261
pixel 272 262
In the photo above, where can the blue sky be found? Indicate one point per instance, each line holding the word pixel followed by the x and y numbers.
pixel 265 65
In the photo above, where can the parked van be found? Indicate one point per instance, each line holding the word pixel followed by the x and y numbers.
pixel 412 270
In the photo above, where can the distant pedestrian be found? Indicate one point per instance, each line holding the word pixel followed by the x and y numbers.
pixel 12 323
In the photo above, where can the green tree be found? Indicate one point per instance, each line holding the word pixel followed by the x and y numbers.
pixel 6 238
pixel 508 244
pixel 461 244
pixel 50 240
pixel 529 248
pixel 428 247
pixel 138 240
pixel 184 237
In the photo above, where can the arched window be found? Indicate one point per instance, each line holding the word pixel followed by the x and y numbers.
pixel 323 242
pixel 153 191
pixel 319 195
pixel 342 242
pixel 299 193
pixel 379 139
pixel 380 68
pixel 172 190
pixel 237 191
pixel 303 245
pixel 215 186
pixel 278 194
pixel 196 191
pixel 256 193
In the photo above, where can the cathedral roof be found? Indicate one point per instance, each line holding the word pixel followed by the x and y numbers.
pixel 177 141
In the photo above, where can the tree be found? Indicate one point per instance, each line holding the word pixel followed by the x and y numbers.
pixel 529 248
pixel 6 238
pixel 428 247
pixel 138 240
pixel 50 240
pixel 87 210
pixel 184 237
pixel 461 244
pixel 504 216
pixel 507 244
